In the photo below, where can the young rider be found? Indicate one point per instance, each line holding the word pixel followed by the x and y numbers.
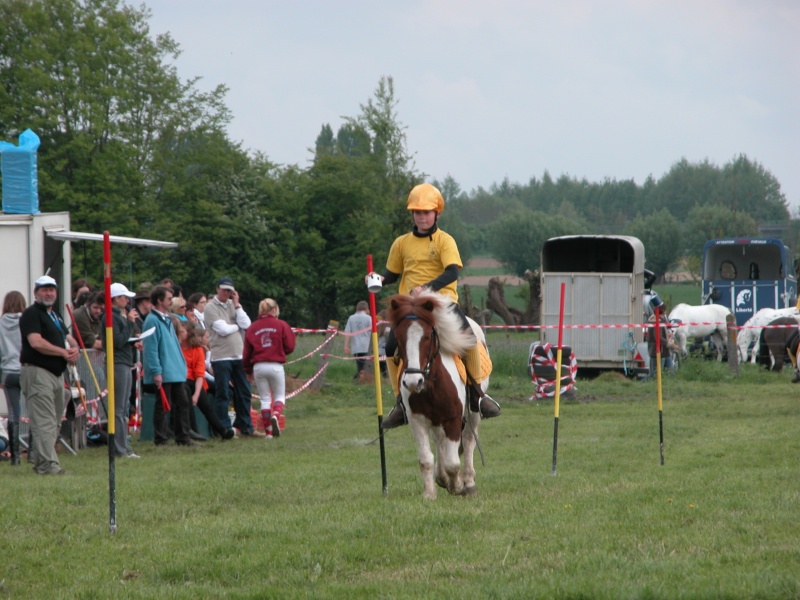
pixel 427 258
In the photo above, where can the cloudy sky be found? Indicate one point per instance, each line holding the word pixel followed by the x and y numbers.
pixel 490 89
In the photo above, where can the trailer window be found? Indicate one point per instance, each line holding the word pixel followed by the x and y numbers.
pixel 727 270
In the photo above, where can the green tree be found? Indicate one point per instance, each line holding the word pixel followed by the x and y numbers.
pixel 747 186
pixel 355 201
pixel 660 234
pixel 112 115
pixel 685 186
pixel 516 239
pixel 712 222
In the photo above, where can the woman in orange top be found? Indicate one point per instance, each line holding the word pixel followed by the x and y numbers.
pixel 193 340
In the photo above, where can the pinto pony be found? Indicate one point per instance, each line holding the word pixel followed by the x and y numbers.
pixel 700 321
pixel 429 339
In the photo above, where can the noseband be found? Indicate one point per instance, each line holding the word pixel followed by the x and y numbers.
pixel 433 352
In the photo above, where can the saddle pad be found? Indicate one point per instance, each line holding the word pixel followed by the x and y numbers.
pixel 486 364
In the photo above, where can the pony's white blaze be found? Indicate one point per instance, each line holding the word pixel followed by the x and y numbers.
pixel 414 382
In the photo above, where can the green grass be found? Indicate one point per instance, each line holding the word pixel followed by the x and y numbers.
pixel 304 515
pixel 675 293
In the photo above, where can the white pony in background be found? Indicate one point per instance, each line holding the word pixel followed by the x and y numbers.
pixel 751 330
pixel 713 315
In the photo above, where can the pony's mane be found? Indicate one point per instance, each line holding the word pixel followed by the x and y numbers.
pixel 436 309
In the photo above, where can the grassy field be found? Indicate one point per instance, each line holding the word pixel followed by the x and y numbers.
pixel 304 516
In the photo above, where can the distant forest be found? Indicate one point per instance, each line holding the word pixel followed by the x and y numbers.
pixel 674 215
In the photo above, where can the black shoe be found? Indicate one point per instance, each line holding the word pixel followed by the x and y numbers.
pixel 397 416
pixel 229 433
pixel 488 407
pixel 796 377
pixel 196 436
pixel 190 442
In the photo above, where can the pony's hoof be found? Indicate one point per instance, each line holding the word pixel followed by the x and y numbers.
pixel 468 491
pixel 442 483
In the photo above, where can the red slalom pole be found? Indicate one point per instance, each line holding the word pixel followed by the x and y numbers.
pixel 558 375
pixel 376 371
pixel 112 491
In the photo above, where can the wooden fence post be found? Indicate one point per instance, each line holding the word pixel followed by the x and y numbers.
pixel 733 347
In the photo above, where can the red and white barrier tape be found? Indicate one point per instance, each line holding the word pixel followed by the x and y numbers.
pixel 314 351
pixel 634 325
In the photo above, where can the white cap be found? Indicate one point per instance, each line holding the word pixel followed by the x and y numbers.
pixel 44 281
pixel 117 289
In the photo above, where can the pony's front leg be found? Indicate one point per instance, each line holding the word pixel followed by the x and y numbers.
pixel 468 443
pixel 450 462
pixel 419 428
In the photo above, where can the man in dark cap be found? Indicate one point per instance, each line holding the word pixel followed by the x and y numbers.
pixel 226 322
pixel 142 304
pixel 47 347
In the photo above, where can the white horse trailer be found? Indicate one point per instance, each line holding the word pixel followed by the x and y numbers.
pixel 28 253
pixel 604 279
pixel 35 244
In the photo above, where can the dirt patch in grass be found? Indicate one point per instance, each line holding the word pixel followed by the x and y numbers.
pixel 483 280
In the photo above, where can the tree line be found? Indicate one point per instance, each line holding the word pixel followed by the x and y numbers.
pixel 129 147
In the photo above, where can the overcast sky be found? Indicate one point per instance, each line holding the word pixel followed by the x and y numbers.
pixel 490 89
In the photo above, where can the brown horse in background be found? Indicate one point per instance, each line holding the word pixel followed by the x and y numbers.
pixel 776 343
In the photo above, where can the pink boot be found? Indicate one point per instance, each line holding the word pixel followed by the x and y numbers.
pixel 277 418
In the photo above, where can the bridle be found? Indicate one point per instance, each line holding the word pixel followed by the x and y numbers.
pixel 433 351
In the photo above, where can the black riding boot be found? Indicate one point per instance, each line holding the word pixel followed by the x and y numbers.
pixel 397 416
pixel 30 448
pixel 483 403
pixel 13 439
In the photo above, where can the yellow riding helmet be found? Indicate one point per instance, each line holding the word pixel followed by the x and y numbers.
pixel 425 197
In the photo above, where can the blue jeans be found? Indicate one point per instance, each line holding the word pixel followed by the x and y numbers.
pixel 225 372
pixel 666 365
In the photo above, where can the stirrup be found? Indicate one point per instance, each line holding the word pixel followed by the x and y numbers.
pixel 397 416
pixel 488 409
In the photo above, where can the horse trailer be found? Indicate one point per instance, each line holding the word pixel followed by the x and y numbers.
pixel 748 274
pixel 604 279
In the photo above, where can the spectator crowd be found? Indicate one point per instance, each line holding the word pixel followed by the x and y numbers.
pixel 198 351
